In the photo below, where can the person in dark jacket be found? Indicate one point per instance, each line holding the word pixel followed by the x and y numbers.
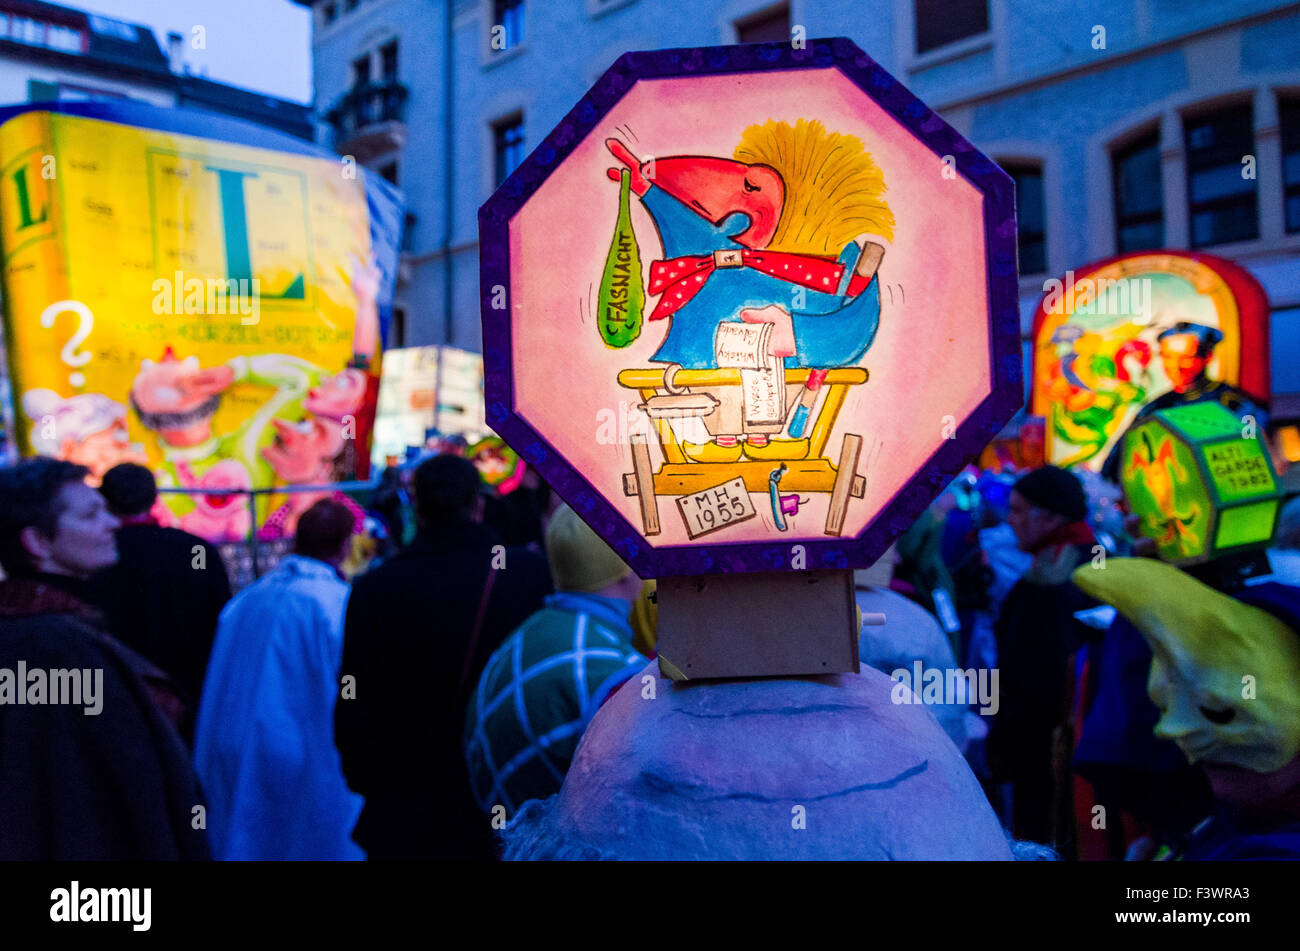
pixel 1036 637
pixel 91 767
pixel 163 596
pixel 418 631
pixel 563 663
pixel 518 516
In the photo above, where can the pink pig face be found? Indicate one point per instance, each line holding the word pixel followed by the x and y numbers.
pixel 177 399
pixel 302 451
pixel 338 395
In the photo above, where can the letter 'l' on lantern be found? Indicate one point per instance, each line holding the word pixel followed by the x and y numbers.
pixel 1201 488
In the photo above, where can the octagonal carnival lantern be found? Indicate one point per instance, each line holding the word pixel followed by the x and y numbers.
pixel 1202 484
pixel 749 309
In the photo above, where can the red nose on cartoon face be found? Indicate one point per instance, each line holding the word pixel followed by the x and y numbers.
pixel 718 187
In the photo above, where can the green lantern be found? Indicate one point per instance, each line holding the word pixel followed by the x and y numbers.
pixel 1201 481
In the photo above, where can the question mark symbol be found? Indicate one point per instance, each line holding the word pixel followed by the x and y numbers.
pixel 85 323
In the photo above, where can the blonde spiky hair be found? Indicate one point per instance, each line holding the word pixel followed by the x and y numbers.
pixel 834 191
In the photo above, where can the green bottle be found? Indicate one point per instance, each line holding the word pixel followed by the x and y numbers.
pixel 622 296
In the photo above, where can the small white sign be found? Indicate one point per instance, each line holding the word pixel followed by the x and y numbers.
pixel 715 508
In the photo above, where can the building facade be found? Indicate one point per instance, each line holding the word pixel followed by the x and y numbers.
pixel 1127 124
pixel 50 52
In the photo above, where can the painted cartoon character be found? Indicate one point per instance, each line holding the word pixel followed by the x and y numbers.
pixel 220 517
pixel 88 429
pixel 317 450
pixel 789 232
pixel 177 399
pixel 304 453
pixel 337 395
pixel 498 464
pixel 1092 383
pixel 1161 476
pixel 337 403
pixel 1186 349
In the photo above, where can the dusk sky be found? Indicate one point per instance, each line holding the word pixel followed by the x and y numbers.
pixel 257 44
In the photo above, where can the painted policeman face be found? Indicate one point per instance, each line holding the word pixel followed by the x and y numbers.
pixel 1181 359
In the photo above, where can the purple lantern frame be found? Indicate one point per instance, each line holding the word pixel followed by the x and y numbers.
pixel 971 436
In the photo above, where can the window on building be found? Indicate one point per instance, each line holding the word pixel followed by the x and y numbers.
pixel 40 91
pixel 1284 347
pixel 940 22
pixel 361 71
pixel 388 61
pixel 350 5
pixel 74 92
pixel 388 172
pixel 1221 197
pixel 107 26
pixel 770 26
pixel 329 12
pixel 509 15
pixel 508 144
pixel 1031 217
pixel 1290 116
pixel 1139 210
pixel 398 336
pixel 63 38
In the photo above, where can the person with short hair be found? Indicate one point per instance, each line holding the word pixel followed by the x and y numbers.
pixel 264 746
pixel 419 629
pixel 95 770
pixel 541 688
pixel 163 595
pixel 1036 636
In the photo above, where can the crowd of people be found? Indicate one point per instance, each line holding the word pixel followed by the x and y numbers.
pixel 412 711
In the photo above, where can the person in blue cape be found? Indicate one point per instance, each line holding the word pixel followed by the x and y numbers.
pixel 264 744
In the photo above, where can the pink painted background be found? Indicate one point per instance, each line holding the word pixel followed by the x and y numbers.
pixel 930 356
